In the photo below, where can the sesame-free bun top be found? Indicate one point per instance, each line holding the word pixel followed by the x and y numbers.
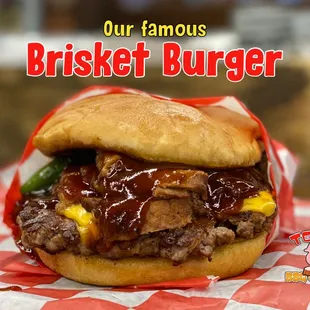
pixel 153 130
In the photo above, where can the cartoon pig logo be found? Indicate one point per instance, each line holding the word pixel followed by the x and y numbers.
pixel 306 271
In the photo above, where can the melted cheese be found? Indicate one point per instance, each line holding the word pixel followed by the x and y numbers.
pixel 88 230
pixel 85 222
pixel 78 214
pixel 262 203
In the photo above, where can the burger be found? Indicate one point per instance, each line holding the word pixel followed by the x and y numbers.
pixel 143 190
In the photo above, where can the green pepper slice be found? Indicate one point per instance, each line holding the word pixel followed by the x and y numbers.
pixel 46 176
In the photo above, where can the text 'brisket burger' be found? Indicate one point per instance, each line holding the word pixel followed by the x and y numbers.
pixel 144 190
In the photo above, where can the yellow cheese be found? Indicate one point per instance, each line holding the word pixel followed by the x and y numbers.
pixel 84 234
pixel 78 214
pixel 263 203
pixel 85 222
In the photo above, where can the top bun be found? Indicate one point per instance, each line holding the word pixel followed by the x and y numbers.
pixel 153 130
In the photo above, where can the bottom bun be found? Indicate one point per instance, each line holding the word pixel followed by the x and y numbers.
pixel 227 261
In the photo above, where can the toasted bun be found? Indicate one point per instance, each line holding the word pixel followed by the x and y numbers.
pixel 227 261
pixel 153 130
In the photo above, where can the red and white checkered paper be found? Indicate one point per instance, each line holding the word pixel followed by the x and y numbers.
pixel 26 285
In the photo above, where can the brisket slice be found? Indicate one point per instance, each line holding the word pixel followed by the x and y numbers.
pixel 161 214
pixel 167 214
pixel 194 181
pixel 168 193
pixel 188 180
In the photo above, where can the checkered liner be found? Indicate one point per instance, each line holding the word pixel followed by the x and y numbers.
pixel 36 287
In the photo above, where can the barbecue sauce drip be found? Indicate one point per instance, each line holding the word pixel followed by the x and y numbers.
pixel 125 192
pixel 76 183
pixel 228 188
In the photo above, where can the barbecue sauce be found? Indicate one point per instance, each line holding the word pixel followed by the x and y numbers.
pixel 228 188
pixel 126 191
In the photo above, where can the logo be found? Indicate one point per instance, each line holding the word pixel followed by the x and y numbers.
pixel 297 276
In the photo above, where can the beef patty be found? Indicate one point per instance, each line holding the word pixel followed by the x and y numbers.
pixel 180 219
